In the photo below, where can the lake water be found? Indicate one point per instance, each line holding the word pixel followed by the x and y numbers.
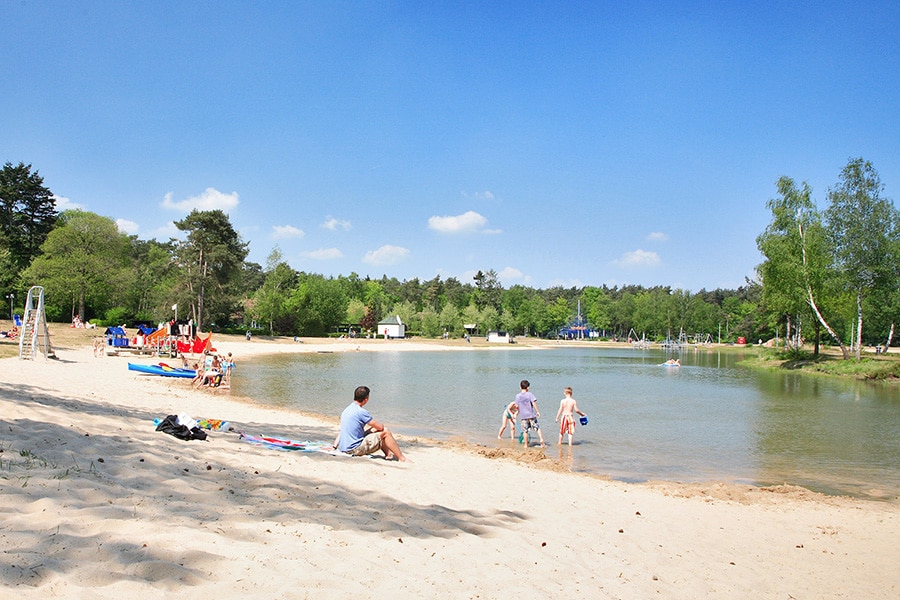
pixel 709 420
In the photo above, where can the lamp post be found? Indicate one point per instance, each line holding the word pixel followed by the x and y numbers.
pixel 11 298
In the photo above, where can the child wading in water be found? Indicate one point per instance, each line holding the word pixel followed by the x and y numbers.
pixel 509 420
pixel 528 412
pixel 565 416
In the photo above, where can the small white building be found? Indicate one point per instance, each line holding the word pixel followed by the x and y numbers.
pixel 391 327
pixel 499 337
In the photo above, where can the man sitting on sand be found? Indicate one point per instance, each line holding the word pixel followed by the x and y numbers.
pixel 361 434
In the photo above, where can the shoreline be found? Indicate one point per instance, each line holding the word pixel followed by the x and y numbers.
pixel 95 499
pixel 481 443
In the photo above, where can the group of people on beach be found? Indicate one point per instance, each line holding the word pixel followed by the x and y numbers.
pixel 526 409
pixel 213 371
pixel 360 434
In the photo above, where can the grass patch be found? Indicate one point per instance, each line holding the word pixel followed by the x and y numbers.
pixel 25 464
pixel 885 367
pixel 62 335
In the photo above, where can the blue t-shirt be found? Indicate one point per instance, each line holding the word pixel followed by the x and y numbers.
pixel 353 425
pixel 524 402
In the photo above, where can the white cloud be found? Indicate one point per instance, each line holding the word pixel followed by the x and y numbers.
pixel 566 283
pixel 324 254
pixel 167 232
pixel 280 232
pixel 657 236
pixel 126 226
pixel 485 195
pixel 466 222
pixel 63 203
pixel 386 255
pixel 335 224
pixel 468 276
pixel 509 274
pixel 638 258
pixel 210 199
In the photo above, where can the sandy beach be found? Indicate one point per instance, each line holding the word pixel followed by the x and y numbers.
pixel 97 504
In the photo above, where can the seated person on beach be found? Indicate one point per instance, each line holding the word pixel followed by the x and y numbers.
pixel 213 373
pixel 361 434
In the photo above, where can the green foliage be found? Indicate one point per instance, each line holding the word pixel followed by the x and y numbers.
pixel 489 318
pixel 597 307
pixel 84 263
pixel 558 314
pixel 431 323
pixel 114 316
pixel 488 291
pixel 211 259
pixel 27 213
pixel 861 226
pixel 270 303
pixel 356 311
pixel 450 320
pixel 149 297
pixel 882 368
pixel 8 269
pixel 785 273
pixel 318 304
pixel 863 231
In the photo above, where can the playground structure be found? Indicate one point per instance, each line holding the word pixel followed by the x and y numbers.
pixel 641 343
pixel 34 336
pixel 684 340
pixel 578 329
pixel 169 339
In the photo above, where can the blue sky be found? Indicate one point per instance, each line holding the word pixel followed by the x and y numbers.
pixel 556 143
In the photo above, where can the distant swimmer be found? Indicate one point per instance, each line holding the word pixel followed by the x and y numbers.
pixel 673 362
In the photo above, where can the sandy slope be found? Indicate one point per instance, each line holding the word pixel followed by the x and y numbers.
pixel 96 504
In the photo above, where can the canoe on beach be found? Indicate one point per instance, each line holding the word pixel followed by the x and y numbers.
pixel 162 369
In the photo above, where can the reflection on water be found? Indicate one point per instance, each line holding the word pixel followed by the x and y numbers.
pixel 707 420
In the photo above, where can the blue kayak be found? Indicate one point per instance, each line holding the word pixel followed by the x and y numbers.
pixel 163 369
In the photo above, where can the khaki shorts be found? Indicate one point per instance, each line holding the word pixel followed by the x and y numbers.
pixel 371 443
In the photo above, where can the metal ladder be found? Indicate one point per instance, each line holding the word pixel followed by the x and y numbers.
pixel 35 335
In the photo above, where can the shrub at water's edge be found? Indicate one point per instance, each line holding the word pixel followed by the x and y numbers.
pixel 883 367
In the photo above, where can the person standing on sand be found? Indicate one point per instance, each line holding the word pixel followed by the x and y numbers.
pixel 567 409
pixel 528 412
pixel 228 365
pixel 361 434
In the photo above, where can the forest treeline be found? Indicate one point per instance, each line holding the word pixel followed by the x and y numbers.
pixel 825 273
